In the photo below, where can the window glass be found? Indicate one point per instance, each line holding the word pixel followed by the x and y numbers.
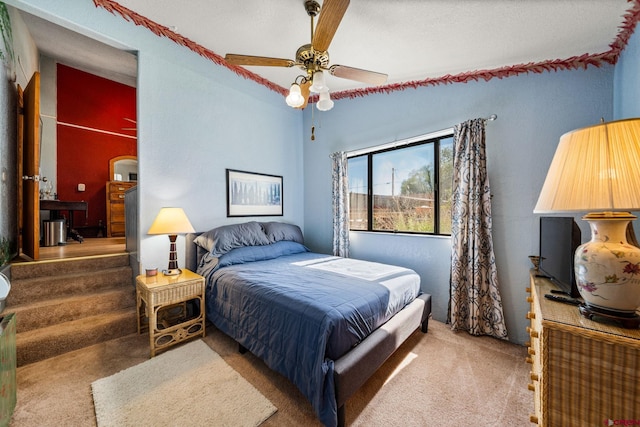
pixel 403 189
pixel 358 191
pixel 406 189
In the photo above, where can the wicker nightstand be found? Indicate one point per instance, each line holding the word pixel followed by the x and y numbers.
pixel 163 301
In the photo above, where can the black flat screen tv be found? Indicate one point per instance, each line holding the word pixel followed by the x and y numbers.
pixel 559 239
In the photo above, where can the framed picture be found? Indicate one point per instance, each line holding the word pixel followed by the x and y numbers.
pixel 253 194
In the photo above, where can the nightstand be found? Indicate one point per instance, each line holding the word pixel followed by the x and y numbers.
pixel 163 309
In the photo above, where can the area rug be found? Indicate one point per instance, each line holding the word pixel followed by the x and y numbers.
pixel 188 386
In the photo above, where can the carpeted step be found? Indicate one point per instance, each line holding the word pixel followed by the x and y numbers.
pixel 51 341
pixel 26 270
pixel 68 304
pixel 30 290
pixel 43 314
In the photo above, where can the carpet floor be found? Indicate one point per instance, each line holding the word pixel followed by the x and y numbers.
pixel 189 385
pixel 441 378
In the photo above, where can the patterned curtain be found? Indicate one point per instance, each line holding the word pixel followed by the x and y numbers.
pixel 340 196
pixel 475 304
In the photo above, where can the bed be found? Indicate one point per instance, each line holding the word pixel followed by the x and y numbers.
pixel 326 323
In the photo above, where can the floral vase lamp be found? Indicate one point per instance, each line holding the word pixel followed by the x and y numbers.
pixel 596 169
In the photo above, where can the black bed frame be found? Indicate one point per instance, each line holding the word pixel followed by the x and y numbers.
pixel 353 369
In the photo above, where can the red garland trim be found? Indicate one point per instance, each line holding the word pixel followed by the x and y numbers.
pixel 575 62
pixel 631 19
pixel 162 31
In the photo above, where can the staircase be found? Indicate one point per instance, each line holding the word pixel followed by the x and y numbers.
pixel 63 305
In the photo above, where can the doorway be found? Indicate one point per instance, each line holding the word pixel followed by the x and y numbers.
pixel 58 45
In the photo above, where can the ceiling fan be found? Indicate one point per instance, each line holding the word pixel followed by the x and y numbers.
pixel 313 58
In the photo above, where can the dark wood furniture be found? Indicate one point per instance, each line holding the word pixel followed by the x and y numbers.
pixel 115 191
pixel 56 206
pixel 115 207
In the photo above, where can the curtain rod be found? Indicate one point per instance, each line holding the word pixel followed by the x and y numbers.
pixel 411 140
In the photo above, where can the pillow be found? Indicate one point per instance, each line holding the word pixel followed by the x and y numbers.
pixel 208 264
pixel 260 253
pixel 221 240
pixel 277 231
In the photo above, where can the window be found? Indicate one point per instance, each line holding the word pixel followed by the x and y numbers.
pixel 406 189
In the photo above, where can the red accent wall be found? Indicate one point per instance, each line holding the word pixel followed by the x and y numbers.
pixel 83 154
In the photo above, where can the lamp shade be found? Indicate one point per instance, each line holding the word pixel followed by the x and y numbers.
pixel 595 169
pixel 171 221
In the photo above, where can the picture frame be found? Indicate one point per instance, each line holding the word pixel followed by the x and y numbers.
pixel 253 194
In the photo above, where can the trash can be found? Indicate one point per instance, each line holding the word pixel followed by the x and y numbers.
pixel 55 232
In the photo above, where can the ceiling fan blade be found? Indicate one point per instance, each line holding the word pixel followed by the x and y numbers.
pixel 305 92
pixel 257 60
pixel 364 76
pixel 330 16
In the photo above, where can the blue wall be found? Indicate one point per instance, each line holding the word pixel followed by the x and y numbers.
pixel 195 119
pixel 627 81
pixel 533 112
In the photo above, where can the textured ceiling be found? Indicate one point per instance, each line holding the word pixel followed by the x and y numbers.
pixel 406 39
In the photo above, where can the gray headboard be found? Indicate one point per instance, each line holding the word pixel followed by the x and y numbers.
pixel 193 252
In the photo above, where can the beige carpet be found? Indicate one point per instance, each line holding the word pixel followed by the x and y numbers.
pixel 187 386
pixel 436 379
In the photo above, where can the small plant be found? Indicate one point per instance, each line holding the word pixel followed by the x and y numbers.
pixel 5 251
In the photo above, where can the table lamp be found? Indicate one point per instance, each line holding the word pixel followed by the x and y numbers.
pixel 171 221
pixel 597 169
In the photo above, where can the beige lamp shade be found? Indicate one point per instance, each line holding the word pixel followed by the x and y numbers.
pixel 171 221
pixel 596 168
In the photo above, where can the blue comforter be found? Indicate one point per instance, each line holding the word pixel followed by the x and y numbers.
pixel 301 311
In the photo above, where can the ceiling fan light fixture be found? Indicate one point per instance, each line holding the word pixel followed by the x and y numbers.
pixel 318 85
pixel 294 98
pixel 313 57
pixel 324 102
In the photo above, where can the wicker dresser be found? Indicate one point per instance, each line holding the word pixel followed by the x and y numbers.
pixel 115 207
pixel 584 373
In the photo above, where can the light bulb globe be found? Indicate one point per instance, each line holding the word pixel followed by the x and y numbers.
pixel 318 85
pixel 324 103
pixel 295 98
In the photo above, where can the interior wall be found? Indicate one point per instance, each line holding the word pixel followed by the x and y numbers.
pixel 8 182
pixel 533 112
pixel 48 145
pixel 627 83
pixel 627 89
pixel 91 130
pixel 195 119
pixel 12 73
pixel 199 125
